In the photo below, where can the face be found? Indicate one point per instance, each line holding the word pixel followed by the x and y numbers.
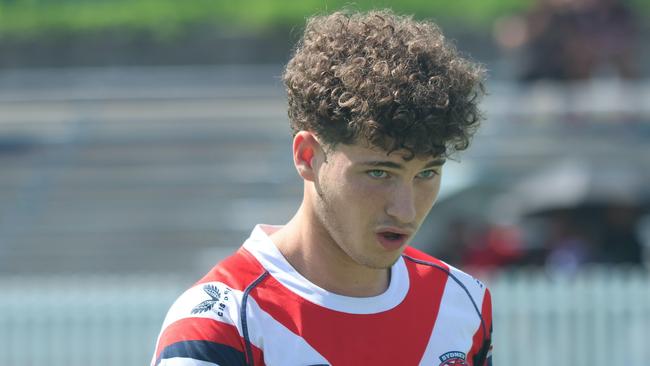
pixel 371 204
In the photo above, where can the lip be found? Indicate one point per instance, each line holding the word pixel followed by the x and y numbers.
pixel 392 244
pixel 395 230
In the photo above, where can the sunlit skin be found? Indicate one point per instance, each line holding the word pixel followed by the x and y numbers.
pixel 354 196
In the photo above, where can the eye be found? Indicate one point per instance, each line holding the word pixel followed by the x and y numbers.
pixel 427 174
pixel 377 173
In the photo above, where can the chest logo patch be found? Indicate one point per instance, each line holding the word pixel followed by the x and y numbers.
pixel 454 358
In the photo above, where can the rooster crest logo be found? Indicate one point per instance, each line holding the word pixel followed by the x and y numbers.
pixel 207 305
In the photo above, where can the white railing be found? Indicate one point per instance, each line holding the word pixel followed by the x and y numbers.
pixel 600 317
pixel 86 321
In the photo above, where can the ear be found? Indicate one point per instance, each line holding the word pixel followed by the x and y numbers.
pixel 305 149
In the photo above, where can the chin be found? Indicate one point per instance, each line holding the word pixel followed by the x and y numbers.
pixel 380 263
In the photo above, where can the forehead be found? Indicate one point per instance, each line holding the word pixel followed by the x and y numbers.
pixel 363 152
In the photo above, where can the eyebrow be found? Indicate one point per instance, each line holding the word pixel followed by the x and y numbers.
pixel 394 165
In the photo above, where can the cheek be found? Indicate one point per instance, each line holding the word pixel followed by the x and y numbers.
pixel 352 186
pixel 436 190
pixel 359 202
pixel 426 198
pixel 367 194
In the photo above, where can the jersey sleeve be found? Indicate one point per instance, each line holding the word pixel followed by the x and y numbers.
pixel 202 329
pixel 481 352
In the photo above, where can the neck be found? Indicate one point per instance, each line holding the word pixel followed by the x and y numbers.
pixel 309 248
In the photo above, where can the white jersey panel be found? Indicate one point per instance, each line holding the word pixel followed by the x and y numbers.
pixel 280 346
pixel 182 361
pixel 191 300
pixel 457 319
pixel 217 301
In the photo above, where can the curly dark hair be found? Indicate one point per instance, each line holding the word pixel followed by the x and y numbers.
pixel 391 80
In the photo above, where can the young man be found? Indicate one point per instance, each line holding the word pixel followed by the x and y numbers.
pixel 376 103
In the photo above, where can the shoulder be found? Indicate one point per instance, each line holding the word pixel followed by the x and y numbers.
pixel 205 319
pixel 237 271
pixel 427 263
pixel 218 295
pixel 462 289
pixel 465 302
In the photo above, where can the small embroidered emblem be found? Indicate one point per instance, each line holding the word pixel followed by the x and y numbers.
pixel 454 358
pixel 207 305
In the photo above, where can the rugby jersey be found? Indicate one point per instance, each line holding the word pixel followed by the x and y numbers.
pixel 254 308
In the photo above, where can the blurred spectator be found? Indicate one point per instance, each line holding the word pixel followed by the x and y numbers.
pixel 620 243
pixel 497 247
pixel 480 248
pixel 598 233
pixel 458 236
pixel 570 238
pixel 573 39
pixel 568 245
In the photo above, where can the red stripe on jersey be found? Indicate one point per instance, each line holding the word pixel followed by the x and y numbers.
pixel 478 339
pixel 362 339
pixel 237 271
pixel 204 329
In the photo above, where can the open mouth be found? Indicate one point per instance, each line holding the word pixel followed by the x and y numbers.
pixel 392 236
pixel 391 240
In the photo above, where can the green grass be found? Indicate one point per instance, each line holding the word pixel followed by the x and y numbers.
pixel 166 18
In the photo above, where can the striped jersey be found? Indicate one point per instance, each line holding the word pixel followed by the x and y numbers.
pixel 254 308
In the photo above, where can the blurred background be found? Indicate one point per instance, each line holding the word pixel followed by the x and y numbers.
pixel 141 140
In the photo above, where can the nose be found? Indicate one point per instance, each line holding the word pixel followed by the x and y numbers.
pixel 401 204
